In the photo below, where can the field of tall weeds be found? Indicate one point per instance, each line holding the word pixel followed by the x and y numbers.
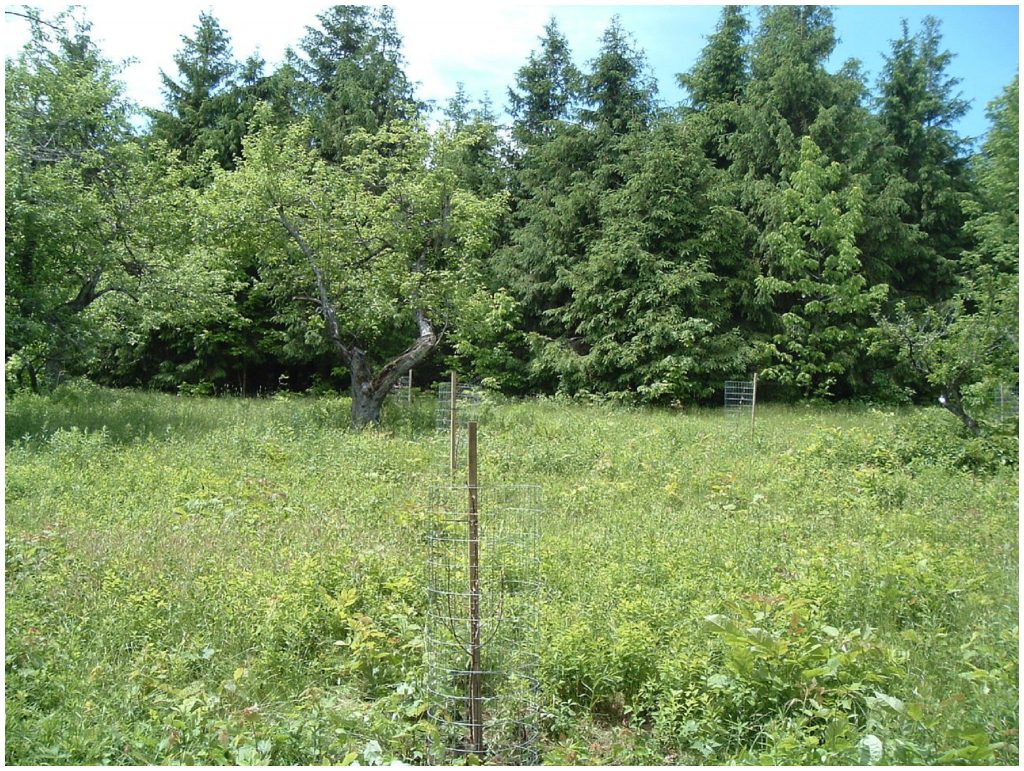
pixel 243 581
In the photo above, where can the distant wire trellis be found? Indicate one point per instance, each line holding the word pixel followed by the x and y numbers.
pixel 402 385
pixel 741 398
pixel 467 408
pixel 1006 400
pixel 468 398
pixel 482 623
pixel 739 395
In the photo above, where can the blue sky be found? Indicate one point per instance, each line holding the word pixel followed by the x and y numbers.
pixel 984 39
pixel 483 44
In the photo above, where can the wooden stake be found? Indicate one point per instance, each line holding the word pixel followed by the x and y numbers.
pixel 453 425
pixel 753 406
pixel 476 717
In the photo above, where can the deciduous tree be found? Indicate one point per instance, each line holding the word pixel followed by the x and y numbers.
pixel 967 347
pixel 96 228
pixel 369 256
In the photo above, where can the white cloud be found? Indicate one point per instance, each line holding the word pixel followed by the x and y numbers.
pixel 478 44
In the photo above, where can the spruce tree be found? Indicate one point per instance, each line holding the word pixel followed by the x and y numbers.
pixel 815 268
pixel 200 104
pixel 619 91
pixel 353 75
pixel 547 90
pixel 918 105
pixel 722 70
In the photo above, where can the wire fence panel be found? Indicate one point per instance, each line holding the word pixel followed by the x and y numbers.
pixel 1005 399
pixel 401 386
pixel 739 394
pixel 493 607
pixel 468 399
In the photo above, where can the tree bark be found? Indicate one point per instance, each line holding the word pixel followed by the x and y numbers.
pixel 365 404
pixel 368 390
pixel 953 401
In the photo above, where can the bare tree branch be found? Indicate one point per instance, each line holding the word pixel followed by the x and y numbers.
pixel 33 19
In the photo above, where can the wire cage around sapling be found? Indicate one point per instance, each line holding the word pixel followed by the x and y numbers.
pixel 741 400
pixel 468 402
pixel 469 407
pixel 482 630
pixel 1005 400
pixel 405 411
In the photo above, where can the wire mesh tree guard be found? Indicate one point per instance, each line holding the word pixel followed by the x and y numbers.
pixel 741 397
pixel 455 414
pixel 1005 398
pixel 402 389
pixel 482 629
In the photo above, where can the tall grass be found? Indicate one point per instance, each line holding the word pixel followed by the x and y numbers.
pixel 236 580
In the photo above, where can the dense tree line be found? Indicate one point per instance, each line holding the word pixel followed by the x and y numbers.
pixel 317 226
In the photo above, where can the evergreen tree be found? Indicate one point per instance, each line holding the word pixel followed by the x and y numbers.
pixel 201 112
pixel 457 110
pixel 722 70
pixel 547 90
pixel 619 91
pixel 480 160
pixel 353 75
pixel 788 87
pixel 815 270
pixel 717 83
pixel 651 300
pixel 551 153
pixel 790 99
pixel 918 105
pixel 993 217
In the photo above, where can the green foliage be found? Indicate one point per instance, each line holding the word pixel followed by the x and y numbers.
pixel 618 93
pixel 816 271
pixel 236 581
pixel 98 229
pixel 362 256
pixel 352 76
pixel 722 70
pixel 918 105
pixel 202 114
pixel 639 253
pixel 967 348
pixel 649 300
pixel 547 89
pixel 789 88
pixel 488 341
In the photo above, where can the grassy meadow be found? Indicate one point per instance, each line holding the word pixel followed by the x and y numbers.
pixel 195 580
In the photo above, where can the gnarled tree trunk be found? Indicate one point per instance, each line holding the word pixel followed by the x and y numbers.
pixel 368 389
